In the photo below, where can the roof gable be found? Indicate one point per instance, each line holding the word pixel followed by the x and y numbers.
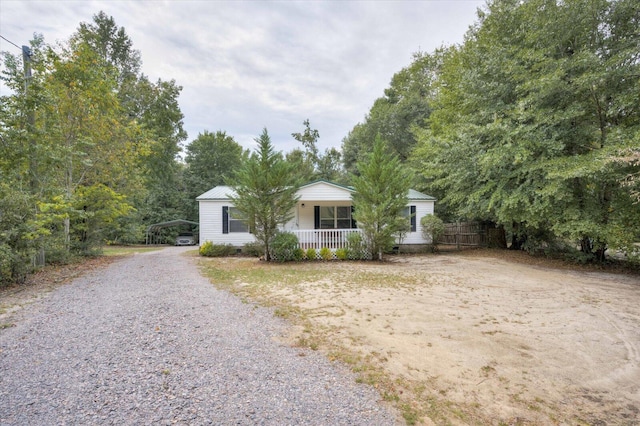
pixel 323 190
pixel 328 182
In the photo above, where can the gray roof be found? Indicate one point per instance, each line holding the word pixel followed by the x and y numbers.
pixel 223 192
pixel 415 195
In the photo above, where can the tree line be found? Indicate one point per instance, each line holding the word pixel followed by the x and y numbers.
pixel 90 150
pixel 532 123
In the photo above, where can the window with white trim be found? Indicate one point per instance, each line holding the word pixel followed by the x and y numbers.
pixel 232 222
pixel 334 217
pixel 235 223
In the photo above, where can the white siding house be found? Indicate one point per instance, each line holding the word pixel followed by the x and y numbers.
pixel 322 217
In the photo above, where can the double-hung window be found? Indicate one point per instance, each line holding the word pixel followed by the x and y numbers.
pixel 333 217
pixel 232 222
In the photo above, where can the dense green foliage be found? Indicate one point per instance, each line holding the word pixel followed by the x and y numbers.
pixel 356 247
pixel 88 148
pixel 254 249
pixel 310 163
pixel 405 104
pixel 325 253
pixel 531 114
pixel 265 187
pixel 381 191
pixel 532 123
pixel 211 158
pixel 432 229
pixel 284 247
pixel 209 249
pixel 311 254
pixel 342 254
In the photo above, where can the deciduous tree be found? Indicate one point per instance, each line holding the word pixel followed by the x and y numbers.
pixel 405 104
pixel 529 113
pixel 211 159
pixel 327 165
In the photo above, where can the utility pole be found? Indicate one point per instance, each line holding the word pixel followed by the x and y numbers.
pixel 26 60
pixel 31 121
pixel 38 259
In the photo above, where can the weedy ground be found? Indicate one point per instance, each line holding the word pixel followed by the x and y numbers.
pixel 464 338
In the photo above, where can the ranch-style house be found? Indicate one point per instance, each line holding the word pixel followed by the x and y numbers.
pixel 322 217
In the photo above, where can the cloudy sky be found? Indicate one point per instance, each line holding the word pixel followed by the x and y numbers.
pixel 248 65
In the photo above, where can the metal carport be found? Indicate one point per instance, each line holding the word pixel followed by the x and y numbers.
pixel 154 231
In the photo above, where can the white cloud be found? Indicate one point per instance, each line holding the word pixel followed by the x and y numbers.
pixel 246 65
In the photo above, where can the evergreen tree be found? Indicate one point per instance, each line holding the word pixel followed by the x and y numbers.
pixel 265 190
pixel 381 191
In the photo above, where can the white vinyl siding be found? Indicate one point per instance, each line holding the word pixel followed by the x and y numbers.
pixel 322 191
pixel 423 208
pixel 320 194
pixel 211 225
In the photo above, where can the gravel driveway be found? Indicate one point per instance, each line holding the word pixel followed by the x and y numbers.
pixel 149 341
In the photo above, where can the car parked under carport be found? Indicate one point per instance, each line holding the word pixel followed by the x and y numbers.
pixel 156 233
pixel 185 239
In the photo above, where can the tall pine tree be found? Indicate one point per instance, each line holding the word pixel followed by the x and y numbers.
pixel 265 190
pixel 382 189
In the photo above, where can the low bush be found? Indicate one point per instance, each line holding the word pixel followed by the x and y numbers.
pixel 432 228
pixel 254 249
pixel 284 247
pixel 298 254
pixel 342 254
pixel 208 249
pixel 326 254
pixel 356 247
pixel 311 254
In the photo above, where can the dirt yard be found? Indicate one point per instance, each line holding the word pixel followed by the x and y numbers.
pixel 490 340
pixel 470 338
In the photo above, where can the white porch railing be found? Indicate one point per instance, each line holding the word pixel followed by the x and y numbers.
pixel 318 238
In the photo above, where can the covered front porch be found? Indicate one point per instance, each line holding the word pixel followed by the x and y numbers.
pixel 323 216
pixel 332 239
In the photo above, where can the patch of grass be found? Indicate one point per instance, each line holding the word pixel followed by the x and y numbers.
pixel 308 340
pixel 286 312
pixel 487 369
pixel 410 414
pixel 253 273
pixel 390 397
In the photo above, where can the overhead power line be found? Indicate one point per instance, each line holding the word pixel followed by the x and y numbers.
pixel 6 39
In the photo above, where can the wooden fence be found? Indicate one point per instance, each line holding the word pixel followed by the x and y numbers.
pixel 464 234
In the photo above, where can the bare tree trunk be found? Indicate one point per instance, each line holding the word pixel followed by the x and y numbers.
pixel 67 234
